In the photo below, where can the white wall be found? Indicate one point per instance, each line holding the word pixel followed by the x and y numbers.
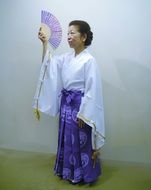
pixel 122 44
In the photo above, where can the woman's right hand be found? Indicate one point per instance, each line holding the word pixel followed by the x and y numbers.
pixel 42 36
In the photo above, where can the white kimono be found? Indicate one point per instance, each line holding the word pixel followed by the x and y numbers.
pixel 73 73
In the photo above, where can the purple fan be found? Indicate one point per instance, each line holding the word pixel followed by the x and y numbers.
pixel 52 28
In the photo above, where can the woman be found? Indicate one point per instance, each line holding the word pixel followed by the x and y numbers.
pixel 72 89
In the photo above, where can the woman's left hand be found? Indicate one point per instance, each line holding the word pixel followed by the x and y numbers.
pixel 81 123
pixel 95 155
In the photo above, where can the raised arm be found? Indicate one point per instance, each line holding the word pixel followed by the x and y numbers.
pixel 44 39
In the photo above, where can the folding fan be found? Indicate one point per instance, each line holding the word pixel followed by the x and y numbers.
pixel 51 27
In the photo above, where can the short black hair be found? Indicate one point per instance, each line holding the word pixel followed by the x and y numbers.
pixel 84 28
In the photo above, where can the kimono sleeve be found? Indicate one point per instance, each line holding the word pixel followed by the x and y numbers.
pixel 91 108
pixel 49 86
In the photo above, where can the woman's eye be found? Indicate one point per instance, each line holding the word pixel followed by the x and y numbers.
pixel 71 33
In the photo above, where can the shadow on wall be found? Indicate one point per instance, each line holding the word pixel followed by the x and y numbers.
pixel 127 114
pixel 135 77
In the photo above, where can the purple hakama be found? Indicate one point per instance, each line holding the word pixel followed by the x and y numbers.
pixel 74 153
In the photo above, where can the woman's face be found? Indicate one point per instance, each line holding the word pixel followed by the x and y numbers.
pixel 75 39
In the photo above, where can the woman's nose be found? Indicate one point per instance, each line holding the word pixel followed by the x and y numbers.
pixel 69 37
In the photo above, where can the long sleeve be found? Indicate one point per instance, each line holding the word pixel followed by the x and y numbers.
pixel 91 109
pixel 49 86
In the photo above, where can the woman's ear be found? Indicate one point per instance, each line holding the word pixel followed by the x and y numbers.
pixel 84 37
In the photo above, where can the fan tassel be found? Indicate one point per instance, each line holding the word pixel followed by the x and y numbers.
pixel 37 113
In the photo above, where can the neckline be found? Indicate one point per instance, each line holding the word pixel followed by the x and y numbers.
pixel 78 55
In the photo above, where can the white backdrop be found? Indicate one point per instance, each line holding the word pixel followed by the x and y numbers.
pixel 122 44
